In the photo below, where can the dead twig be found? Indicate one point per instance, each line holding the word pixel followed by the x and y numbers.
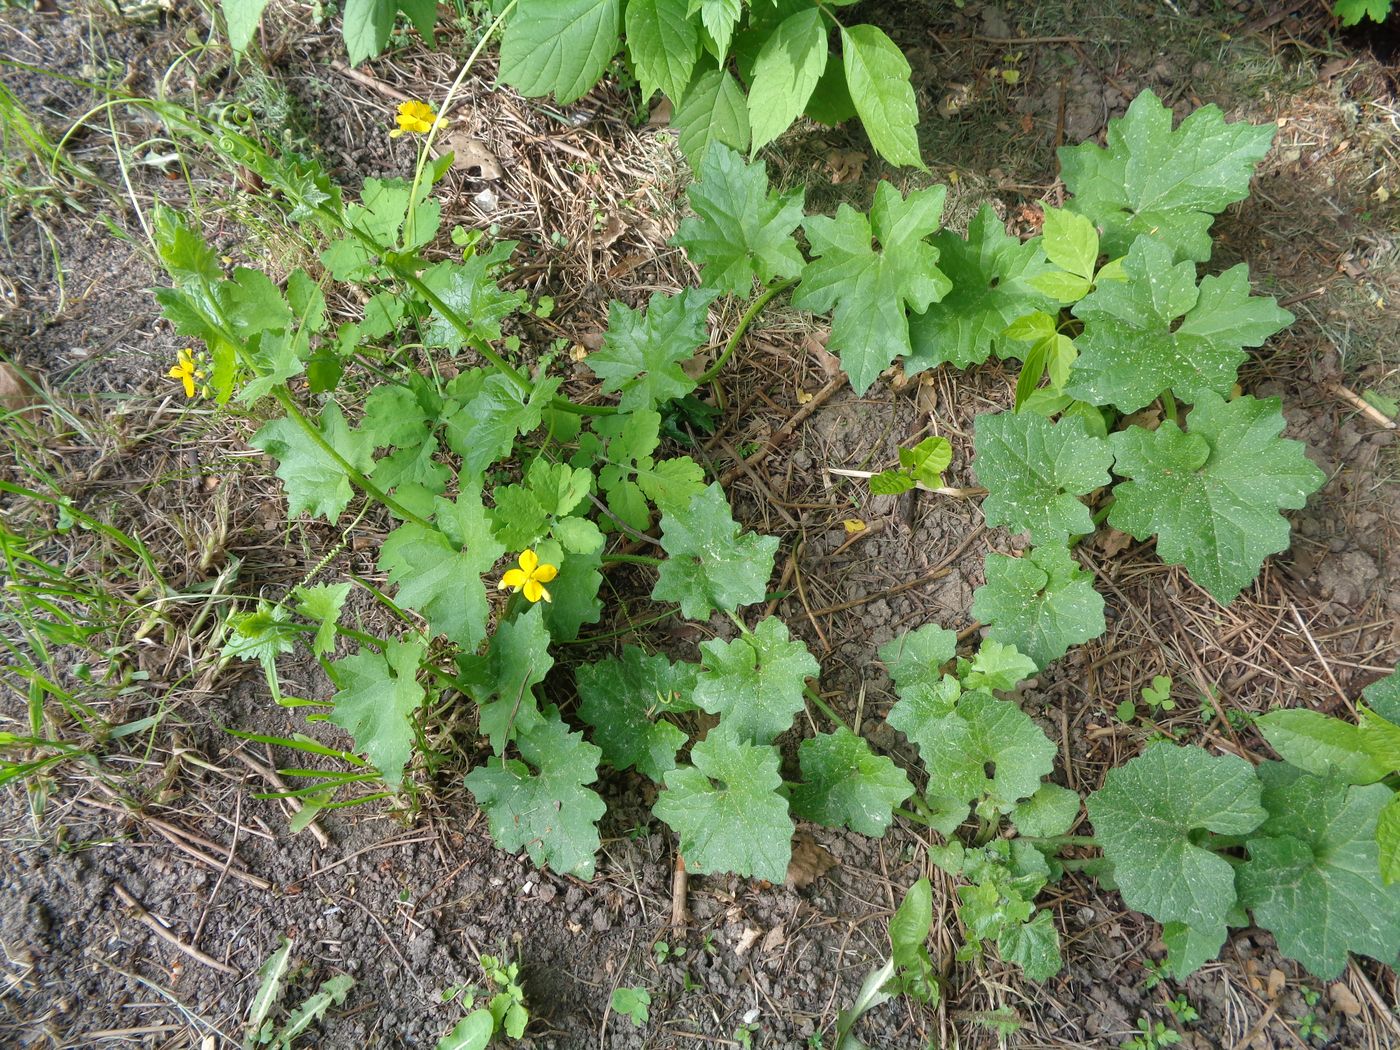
pixel 295 805
pixel 680 884
pixel 141 915
pixel 786 430
pixel 1370 411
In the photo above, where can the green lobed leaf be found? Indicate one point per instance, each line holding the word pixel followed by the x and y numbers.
pixel 1051 811
pixel 559 47
pixel 542 804
pixel 623 699
pixel 1034 946
pixel 740 229
pixel 869 290
pixel 575 593
pixel 1188 949
pixel 375 702
pixel 492 414
pixel 315 480
pixel 503 681
pixel 877 76
pixel 472 294
pixel 1035 471
pixel 991 274
pixel 711 564
pixel 642 353
pixel 664 45
pixel 323 603
pixel 713 110
pixel 1321 745
pixel 1158 330
pixel 1070 242
pixel 845 784
pixel 727 810
pixel 1147 817
pixel 1041 603
pixel 789 65
pixel 915 660
pixel 1313 878
pixel 1171 184
pixel 995 667
pixel 1353 11
pixel 1213 495
pixel 755 682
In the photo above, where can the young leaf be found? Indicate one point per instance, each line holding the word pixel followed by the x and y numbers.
pixel 995 668
pixel 642 353
pixel 755 682
pixel 719 17
pixel 713 110
pixel 711 565
pixel 503 681
pixel 559 47
pixel 322 603
pixel 1213 495
pixel 789 65
pixel 542 803
pixel 909 930
pixel 1171 184
pixel 1353 11
pixel 1050 811
pixel 1034 946
pixel 845 784
pixel 740 229
pixel 915 659
pixel 877 75
pixel 621 700
pixel 991 274
pixel 890 483
pixel 1148 816
pixel 1321 745
pixel 438 570
pixel 315 480
pixel 869 289
pixel 1157 330
pixel 927 460
pixel 1035 471
pixel 375 702
pixel 664 45
pixel 727 811
pixel 472 1032
pixel 1041 603
pixel 1071 243
pixel 1313 877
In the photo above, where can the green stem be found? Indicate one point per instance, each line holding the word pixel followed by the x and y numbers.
pixel 632 559
pixel 1101 514
pixel 733 344
pixel 1169 405
pixel 909 814
pixel 825 708
pixel 1060 841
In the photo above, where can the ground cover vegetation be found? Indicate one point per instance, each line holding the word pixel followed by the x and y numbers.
pixel 512 494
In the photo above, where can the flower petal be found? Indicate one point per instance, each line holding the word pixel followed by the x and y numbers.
pixel 514 579
pixel 533 591
pixel 528 560
pixel 546 572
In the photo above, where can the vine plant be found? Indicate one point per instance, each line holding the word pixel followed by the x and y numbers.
pixel 496 467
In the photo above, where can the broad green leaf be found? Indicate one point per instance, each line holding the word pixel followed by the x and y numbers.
pixel 399 415
pixel 1034 946
pixel 1041 603
pixel 493 413
pixel 869 290
pixel 877 76
pixel 1212 495
pixel 622 700
pixel 575 593
pixel 472 1032
pixel 1313 878
pixel 909 929
pixel 1158 330
pixel 991 274
pixel 719 17
pixel 995 668
pixel 711 564
pixel 559 47
pixel 642 353
pixel 789 65
pixel 1388 841
pixel 1148 817
pixel 1321 745
pixel 1384 697
pixel 470 291
pixel 727 811
pixel 664 45
pixel 241 17
pixel 740 229
pixel 438 570
pixel 713 110
pixel 1188 949
pixel 984 748
pixel 1171 184
pixel 375 702
pixel 252 303
pixel 755 682
pixel 366 27
pixel 845 784
pixel 1035 471
pixel 927 460
pixel 1353 11
pixel 890 483
pixel 542 804
pixel 1070 242
pixel 1381 738
pixel 503 681
pixel 315 480
pixel 322 603
pixel 915 659
pixel 1050 811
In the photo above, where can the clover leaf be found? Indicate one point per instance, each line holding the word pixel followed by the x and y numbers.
pixel 711 564
pixel 1041 603
pixel 845 784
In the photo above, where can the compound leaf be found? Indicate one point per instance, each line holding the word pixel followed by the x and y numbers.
pixel 1146 816
pixel 542 803
pixel 740 229
pixel 845 784
pixel 1041 603
pixel 664 45
pixel 1035 471
pixel 869 289
pixel 1158 330
pixel 1213 495
pixel 559 47
pixel 755 682
pixel 622 699
pixel 315 480
pixel 789 65
pixel 1171 184
pixel 991 274
pixel 877 76
pixel 727 810
pixel 711 565
pixel 375 702
pixel 642 353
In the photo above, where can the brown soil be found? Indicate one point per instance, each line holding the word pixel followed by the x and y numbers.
pixel 405 898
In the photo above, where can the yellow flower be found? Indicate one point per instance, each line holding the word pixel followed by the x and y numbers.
pixel 530 577
pixel 416 118
pixel 186 372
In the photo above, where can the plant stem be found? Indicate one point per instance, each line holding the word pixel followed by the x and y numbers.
pixel 1169 405
pixel 1101 514
pixel 733 343
pixel 824 707
pixel 632 559
pixel 1059 841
